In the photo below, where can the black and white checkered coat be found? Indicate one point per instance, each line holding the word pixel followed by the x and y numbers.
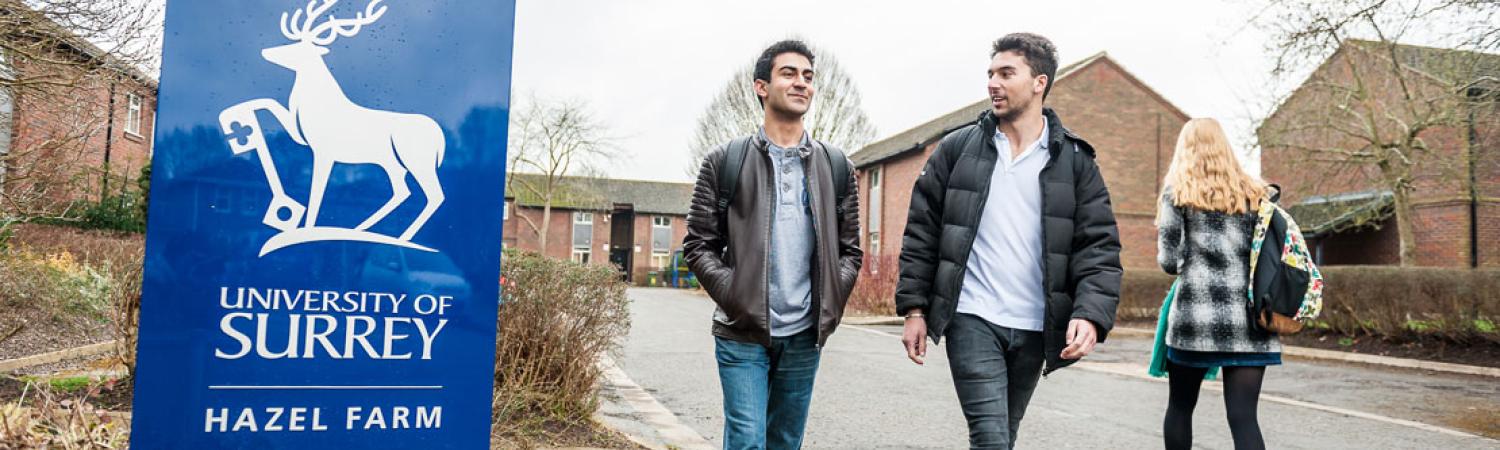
pixel 1210 252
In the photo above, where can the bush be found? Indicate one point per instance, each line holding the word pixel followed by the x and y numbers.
pixel 122 210
pixel 1460 305
pixel 98 248
pixel 874 294
pixel 57 282
pixel 556 319
pixel 53 419
pixel 125 311
pixel 1141 292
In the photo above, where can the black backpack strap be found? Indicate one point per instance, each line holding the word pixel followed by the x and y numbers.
pixel 839 165
pixel 729 172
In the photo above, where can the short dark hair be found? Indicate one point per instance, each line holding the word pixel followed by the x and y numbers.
pixel 768 57
pixel 1038 51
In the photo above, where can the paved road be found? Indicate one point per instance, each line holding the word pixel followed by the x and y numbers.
pixel 869 396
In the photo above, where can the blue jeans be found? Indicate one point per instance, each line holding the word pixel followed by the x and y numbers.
pixel 767 390
pixel 995 370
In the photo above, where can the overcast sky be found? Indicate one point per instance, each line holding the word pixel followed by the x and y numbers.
pixel 649 67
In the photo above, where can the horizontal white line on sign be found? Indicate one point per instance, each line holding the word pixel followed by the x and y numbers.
pixel 222 387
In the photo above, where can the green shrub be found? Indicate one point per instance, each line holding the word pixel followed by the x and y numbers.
pixel 557 318
pixel 54 281
pixel 122 210
pixel 1454 304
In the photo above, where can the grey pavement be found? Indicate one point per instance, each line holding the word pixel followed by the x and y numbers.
pixel 868 395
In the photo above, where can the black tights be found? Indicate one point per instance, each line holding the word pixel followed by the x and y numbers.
pixel 1241 394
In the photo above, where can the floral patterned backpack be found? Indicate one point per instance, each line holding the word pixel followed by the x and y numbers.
pixel 1286 288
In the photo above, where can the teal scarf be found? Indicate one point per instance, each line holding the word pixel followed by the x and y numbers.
pixel 1158 366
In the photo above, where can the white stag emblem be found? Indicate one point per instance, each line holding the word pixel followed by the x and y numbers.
pixel 337 130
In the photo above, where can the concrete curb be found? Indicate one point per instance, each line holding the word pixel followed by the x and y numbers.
pixel 874 320
pixel 1298 352
pixel 1332 355
pixel 12 365
pixel 672 433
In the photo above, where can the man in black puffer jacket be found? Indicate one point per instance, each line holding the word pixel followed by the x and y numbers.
pixel 1011 249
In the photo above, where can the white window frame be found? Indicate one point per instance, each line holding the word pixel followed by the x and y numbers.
pixel 9 103
pixel 661 223
pixel 133 113
pixel 507 211
pixel 580 218
pixel 581 255
pixel 877 201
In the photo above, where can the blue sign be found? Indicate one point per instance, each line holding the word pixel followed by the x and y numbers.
pixel 323 250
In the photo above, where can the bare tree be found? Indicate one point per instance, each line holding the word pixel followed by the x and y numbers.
pixel 58 60
pixel 1376 114
pixel 836 117
pixel 550 142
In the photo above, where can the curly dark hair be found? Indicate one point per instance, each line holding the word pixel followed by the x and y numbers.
pixel 767 57
pixel 1038 51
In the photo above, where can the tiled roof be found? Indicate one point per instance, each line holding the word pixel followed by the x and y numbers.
pixel 602 194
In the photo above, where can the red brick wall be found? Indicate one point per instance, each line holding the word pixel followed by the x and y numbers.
pixel 559 231
pixel 1487 175
pixel 81 115
pixel 899 174
pixel 518 234
pixel 1489 234
pixel 1442 219
pixel 1133 132
pixel 641 261
pixel 1442 234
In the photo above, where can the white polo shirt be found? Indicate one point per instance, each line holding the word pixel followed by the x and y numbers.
pixel 1003 278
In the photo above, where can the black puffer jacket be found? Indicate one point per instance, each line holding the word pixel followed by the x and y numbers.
pixel 1082 244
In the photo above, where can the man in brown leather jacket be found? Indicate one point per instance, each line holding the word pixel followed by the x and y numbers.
pixel 777 248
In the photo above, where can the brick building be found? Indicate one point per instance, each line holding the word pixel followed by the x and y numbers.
pixel 91 114
pixel 1133 129
pixel 1345 213
pixel 627 223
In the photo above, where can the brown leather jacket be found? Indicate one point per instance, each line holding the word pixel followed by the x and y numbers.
pixel 729 257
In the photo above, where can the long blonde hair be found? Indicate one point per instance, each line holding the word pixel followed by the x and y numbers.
pixel 1205 174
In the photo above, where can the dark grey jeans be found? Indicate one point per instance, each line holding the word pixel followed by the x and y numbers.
pixel 995 370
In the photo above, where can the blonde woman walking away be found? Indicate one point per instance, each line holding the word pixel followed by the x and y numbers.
pixel 1205 222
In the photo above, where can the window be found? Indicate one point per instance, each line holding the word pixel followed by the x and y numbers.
pixel 583 236
pixel 507 211
pixel 877 197
pixel 661 241
pixel 5 113
pixel 133 114
pixel 661 234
